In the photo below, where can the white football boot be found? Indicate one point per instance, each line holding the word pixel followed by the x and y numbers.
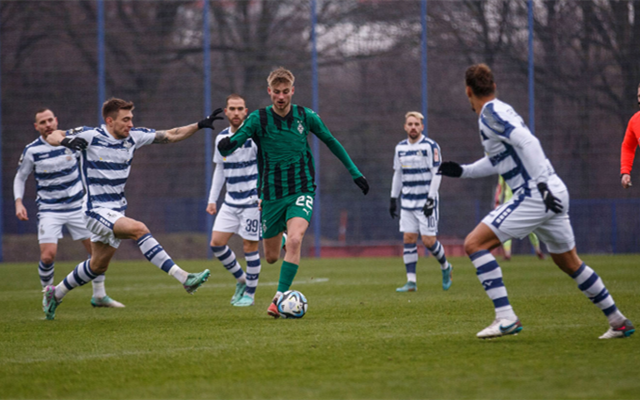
pixel 500 327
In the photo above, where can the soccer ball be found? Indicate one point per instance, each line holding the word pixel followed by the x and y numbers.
pixel 292 304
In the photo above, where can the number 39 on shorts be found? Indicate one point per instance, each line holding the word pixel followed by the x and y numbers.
pixel 305 202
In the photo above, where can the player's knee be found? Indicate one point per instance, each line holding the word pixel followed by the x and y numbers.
pixel 98 266
pixel 217 242
pixel 293 242
pixel 139 230
pixel 249 246
pixel 429 241
pixel 470 245
pixel 271 257
pixel 48 257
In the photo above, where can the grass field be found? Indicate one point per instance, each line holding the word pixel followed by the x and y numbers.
pixel 359 340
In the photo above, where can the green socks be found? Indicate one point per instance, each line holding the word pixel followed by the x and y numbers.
pixel 287 273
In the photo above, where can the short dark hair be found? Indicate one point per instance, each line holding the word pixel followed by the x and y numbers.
pixel 480 79
pixel 41 110
pixel 112 107
pixel 233 96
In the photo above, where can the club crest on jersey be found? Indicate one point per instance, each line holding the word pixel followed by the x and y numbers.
pixel 300 127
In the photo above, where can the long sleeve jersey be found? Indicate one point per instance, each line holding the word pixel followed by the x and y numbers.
pixel 630 144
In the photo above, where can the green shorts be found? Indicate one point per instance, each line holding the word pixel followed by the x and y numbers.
pixel 276 213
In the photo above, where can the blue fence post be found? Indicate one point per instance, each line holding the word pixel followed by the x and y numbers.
pixel 208 141
pixel 1 191
pixel 423 20
pixel 101 60
pixel 317 231
pixel 532 120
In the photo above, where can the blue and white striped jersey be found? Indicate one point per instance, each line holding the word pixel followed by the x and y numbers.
pixel 240 172
pixel 418 163
pixel 57 174
pixel 106 164
pixel 513 151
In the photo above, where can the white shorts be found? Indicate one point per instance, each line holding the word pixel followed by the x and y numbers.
pixel 50 226
pixel 243 221
pixel 414 221
pixel 522 215
pixel 100 222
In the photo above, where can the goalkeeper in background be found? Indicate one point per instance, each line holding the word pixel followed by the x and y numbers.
pixel 503 195
pixel 286 171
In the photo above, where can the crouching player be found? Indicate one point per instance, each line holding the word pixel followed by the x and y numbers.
pixel 540 204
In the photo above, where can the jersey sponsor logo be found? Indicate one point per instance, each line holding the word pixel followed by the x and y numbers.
pixel 436 155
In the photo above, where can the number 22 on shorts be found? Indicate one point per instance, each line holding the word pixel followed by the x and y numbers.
pixel 306 202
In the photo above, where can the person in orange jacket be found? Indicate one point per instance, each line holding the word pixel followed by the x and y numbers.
pixel 629 145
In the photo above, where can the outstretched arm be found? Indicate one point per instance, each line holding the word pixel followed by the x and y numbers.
pixel 178 134
pixel 319 129
pixel 60 138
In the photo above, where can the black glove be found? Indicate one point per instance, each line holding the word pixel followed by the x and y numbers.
pixel 75 143
pixel 393 208
pixel 362 184
pixel 226 144
pixel 450 168
pixel 208 122
pixel 429 206
pixel 550 202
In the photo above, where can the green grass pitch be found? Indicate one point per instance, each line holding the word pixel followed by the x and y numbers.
pixel 359 340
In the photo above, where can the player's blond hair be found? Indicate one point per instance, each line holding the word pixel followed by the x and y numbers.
pixel 280 75
pixel 414 114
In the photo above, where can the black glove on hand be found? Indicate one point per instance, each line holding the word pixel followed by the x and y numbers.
pixel 393 207
pixel 362 184
pixel 226 144
pixel 429 206
pixel 75 143
pixel 550 202
pixel 208 122
pixel 450 168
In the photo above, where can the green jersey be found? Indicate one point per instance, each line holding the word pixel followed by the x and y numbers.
pixel 285 161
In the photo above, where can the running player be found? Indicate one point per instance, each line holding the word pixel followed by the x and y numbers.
pixel 416 161
pixel 286 182
pixel 107 153
pixel 59 194
pixel 239 213
pixel 504 194
pixel 540 204
pixel 629 146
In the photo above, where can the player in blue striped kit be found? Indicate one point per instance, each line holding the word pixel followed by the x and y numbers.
pixel 59 194
pixel 239 214
pixel 416 161
pixel 107 153
pixel 540 204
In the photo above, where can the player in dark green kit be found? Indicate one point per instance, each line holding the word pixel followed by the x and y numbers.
pixel 286 171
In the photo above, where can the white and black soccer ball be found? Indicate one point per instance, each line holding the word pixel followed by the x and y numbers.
pixel 292 304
